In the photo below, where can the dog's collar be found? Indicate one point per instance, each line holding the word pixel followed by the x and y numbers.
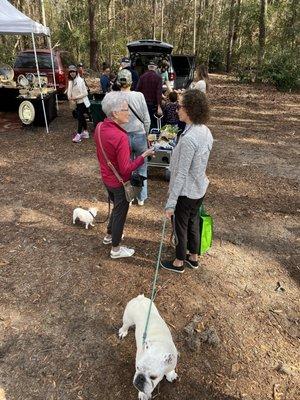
pixel 92 214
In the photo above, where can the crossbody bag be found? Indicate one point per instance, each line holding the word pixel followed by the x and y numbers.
pixel 131 192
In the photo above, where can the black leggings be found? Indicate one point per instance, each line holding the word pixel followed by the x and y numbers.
pixel 82 125
pixel 118 215
pixel 187 226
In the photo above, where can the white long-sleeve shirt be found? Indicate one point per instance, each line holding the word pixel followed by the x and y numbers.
pixel 200 85
pixel 77 89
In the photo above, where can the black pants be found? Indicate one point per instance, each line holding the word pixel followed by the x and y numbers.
pixel 118 215
pixel 82 125
pixel 152 109
pixel 187 226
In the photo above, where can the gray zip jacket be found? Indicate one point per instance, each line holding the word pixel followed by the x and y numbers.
pixel 188 164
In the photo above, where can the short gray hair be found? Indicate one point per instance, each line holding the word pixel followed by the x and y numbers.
pixel 113 101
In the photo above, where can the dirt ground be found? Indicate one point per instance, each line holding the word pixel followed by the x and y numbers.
pixel 62 297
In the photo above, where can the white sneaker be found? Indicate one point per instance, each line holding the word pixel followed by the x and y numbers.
pixel 123 252
pixel 77 138
pixel 108 239
pixel 85 135
pixel 140 202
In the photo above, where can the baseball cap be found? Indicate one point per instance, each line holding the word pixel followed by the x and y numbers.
pixel 124 76
pixel 72 68
pixel 125 60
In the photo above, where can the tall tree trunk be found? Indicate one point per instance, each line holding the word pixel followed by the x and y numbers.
pixel 162 20
pixel 230 37
pixel 154 19
pixel 236 27
pixel 262 35
pixel 94 45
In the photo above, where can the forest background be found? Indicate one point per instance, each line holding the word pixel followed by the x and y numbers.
pixel 258 40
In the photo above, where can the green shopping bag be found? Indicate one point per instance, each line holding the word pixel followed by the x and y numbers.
pixel 206 231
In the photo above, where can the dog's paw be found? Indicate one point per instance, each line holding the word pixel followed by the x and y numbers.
pixel 171 376
pixel 122 333
pixel 143 396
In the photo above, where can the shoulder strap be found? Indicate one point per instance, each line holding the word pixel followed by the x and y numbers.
pixel 135 113
pixel 107 160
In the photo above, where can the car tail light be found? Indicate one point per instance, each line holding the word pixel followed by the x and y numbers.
pixel 60 78
pixel 172 76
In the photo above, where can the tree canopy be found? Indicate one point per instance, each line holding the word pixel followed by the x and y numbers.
pixel 256 39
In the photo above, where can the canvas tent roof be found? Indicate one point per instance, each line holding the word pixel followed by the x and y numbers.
pixel 13 22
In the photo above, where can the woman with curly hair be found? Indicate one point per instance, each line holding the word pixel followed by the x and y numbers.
pixel 188 181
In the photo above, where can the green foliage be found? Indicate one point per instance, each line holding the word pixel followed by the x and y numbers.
pixel 216 59
pixel 281 69
pixel 118 22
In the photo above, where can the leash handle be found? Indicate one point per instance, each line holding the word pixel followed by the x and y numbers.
pixel 155 279
pixel 173 237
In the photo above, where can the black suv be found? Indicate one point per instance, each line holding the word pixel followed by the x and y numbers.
pixel 181 70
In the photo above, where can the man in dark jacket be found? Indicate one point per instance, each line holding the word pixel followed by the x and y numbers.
pixel 150 84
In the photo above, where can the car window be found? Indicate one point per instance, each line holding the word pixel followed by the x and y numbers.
pixel 181 65
pixel 27 60
pixel 140 61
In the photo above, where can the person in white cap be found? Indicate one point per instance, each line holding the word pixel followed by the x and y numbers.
pixel 137 127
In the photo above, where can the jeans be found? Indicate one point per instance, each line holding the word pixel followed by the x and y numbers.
pixel 118 215
pixel 187 226
pixel 138 143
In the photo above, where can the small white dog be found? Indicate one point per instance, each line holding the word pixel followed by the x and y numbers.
pixel 85 216
pixel 158 356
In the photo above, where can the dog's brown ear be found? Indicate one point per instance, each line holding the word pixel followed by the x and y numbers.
pixel 169 358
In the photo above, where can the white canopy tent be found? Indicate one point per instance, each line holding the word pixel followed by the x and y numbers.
pixel 14 22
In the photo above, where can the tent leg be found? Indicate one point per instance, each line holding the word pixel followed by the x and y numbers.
pixel 39 78
pixel 53 72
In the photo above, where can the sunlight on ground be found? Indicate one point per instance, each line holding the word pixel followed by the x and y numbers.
pixel 256 141
pixel 294 105
pixel 2 394
pixel 4 162
pixel 233 119
pixel 226 184
pixel 27 216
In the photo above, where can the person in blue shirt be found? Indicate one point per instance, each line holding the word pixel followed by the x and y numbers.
pixel 105 84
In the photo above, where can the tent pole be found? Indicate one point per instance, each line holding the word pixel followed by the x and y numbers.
pixel 53 72
pixel 39 78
